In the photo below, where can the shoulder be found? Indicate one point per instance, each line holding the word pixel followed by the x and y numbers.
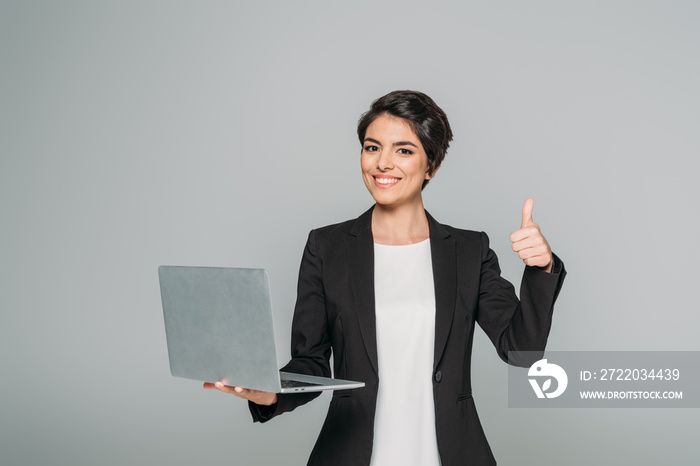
pixel 462 234
pixel 458 234
pixel 471 246
pixel 330 236
pixel 341 228
pixel 338 231
pixel 328 242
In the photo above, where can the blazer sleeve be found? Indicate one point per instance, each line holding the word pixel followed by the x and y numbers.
pixel 514 324
pixel 311 344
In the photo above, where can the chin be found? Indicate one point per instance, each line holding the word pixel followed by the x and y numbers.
pixel 386 201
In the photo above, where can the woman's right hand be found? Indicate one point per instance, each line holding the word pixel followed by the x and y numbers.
pixel 256 396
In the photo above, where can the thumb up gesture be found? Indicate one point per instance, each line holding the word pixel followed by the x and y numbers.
pixel 529 243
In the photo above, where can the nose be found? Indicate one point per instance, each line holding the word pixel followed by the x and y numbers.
pixel 385 161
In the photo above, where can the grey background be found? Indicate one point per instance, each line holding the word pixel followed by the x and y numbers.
pixel 135 134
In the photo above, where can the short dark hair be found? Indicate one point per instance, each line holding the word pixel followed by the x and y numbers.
pixel 426 119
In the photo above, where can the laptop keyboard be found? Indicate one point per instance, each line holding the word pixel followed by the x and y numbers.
pixel 296 383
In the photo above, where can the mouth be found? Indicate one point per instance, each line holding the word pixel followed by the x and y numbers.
pixel 384 181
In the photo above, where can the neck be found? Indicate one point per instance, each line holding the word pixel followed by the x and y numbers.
pixel 400 225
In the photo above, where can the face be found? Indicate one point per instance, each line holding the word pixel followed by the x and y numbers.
pixel 394 164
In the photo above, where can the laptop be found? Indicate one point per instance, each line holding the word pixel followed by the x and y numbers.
pixel 218 325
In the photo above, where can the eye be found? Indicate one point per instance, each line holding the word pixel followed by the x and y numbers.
pixel 405 151
pixel 371 148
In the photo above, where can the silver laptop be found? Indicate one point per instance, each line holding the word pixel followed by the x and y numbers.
pixel 218 325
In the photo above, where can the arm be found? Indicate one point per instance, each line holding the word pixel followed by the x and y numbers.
pixel 311 345
pixel 512 324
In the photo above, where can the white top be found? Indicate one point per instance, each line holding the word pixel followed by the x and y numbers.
pixel 404 424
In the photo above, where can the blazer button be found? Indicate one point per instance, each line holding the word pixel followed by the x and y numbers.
pixel 438 376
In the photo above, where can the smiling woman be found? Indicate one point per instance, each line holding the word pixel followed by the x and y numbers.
pixel 395 297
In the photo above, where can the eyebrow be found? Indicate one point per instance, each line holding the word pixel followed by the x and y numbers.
pixel 398 143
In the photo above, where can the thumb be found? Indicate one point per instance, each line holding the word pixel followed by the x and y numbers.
pixel 527 212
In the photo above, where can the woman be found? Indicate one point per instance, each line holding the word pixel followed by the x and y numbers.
pixel 395 296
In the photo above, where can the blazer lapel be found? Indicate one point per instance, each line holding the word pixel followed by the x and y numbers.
pixel 359 247
pixel 442 249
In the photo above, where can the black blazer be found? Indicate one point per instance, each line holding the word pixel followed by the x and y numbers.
pixel 335 311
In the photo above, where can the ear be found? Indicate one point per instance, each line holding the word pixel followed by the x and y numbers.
pixel 429 175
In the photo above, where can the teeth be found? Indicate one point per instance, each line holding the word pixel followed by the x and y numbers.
pixel 386 180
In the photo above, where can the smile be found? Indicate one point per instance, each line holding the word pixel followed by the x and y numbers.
pixel 385 181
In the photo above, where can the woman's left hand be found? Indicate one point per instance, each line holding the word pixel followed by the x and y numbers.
pixel 529 243
pixel 256 396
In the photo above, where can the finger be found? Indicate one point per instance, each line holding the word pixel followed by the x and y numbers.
pixel 225 388
pixel 531 230
pixel 529 253
pixel 253 395
pixel 527 212
pixel 530 241
pixel 242 392
pixel 538 250
pixel 209 385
